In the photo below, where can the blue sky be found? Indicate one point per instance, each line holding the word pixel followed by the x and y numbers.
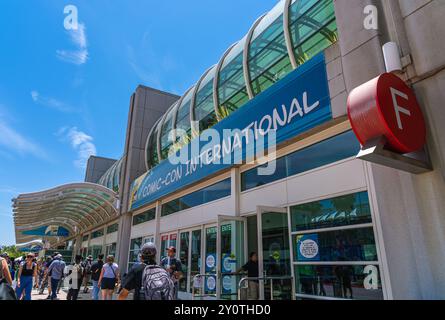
pixel 64 95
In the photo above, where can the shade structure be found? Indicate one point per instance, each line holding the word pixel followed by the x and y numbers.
pixel 76 207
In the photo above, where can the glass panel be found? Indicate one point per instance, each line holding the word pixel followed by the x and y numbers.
pixel 211 193
pixel 232 92
pixel 340 245
pixel 184 258
pixel 251 179
pixel 164 246
pixel 204 105
pixel 135 247
pixel 166 138
pixel 232 257
pixel 252 234
pixel 210 261
pixel 348 282
pixel 97 234
pixel 113 228
pixel 345 210
pixel 334 149
pixel 195 265
pixel 183 120
pixel 312 27
pixel 268 58
pixel 276 255
pixel 331 150
pixel 152 146
pixel 148 215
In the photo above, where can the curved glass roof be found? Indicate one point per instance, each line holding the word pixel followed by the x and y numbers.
pixel 77 207
pixel 287 36
pixel 111 177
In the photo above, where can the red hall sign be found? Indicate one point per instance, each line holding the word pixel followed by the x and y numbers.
pixel 386 106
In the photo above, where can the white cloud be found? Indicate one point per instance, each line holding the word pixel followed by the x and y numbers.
pixel 79 39
pixel 12 140
pixel 50 102
pixel 81 142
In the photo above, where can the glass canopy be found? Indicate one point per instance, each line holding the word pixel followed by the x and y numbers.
pixel 287 36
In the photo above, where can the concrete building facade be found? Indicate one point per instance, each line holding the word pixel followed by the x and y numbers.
pixel 379 232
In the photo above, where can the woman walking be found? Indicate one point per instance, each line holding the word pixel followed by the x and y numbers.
pixel 27 272
pixel 108 279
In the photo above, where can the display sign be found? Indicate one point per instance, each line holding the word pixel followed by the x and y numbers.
pixel 48 231
pixel 307 247
pixel 210 262
pixel 295 104
pixel 387 107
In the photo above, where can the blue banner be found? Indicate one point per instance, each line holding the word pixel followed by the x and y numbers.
pixel 48 231
pixel 293 105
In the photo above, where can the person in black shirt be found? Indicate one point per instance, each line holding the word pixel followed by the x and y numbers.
pixel 174 267
pixel 133 279
pixel 251 267
pixel 96 269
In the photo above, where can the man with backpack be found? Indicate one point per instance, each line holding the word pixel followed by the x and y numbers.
pixel 147 279
pixel 86 265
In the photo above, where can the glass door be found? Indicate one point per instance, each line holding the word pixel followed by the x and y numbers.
pixel 274 254
pixel 231 248
pixel 210 261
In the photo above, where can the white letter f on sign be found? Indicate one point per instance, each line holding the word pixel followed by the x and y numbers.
pixel 398 109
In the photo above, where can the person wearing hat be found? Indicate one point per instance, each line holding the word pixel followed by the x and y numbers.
pixel 86 265
pixel 134 279
pixel 76 279
pixel 173 266
pixel 27 272
pixel 56 270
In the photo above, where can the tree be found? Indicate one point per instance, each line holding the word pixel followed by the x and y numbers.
pixel 12 251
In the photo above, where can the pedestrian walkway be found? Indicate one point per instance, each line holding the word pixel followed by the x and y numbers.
pixel 63 293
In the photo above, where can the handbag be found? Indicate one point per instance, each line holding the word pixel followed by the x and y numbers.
pixel 6 291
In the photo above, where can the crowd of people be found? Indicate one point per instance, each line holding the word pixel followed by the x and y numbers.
pixel 147 279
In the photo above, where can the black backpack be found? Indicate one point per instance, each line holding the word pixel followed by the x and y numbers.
pixel 6 291
pixel 157 284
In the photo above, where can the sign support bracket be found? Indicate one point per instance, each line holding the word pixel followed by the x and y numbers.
pixel 374 151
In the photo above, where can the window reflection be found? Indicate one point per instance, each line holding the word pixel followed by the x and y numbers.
pixel 339 281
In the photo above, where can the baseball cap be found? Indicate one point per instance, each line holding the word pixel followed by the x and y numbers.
pixel 148 249
pixel 171 248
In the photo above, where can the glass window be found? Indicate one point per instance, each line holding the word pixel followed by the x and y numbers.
pixel 232 92
pixel 360 282
pixel 341 211
pixel 251 179
pixel 152 146
pixel 312 27
pixel 211 193
pixel 135 247
pixel 111 249
pixel 97 234
pixel 336 262
pixel 183 120
pixel 340 245
pixel 85 238
pixel 195 263
pixel 331 150
pixel 166 131
pixel 210 260
pixel 148 215
pixel 204 104
pixel 268 58
pixel 184 239
pixel 112 228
